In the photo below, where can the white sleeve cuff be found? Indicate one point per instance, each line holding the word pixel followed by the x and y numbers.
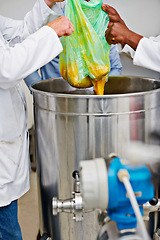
pixel 125 50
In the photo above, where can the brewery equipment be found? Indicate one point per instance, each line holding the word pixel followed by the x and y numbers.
pixel 73 125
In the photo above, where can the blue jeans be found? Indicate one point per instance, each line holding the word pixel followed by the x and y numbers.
pixel 9 226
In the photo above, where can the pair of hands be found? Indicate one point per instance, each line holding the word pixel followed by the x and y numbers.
pixel 117 31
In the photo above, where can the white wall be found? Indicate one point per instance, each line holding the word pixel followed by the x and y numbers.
pixel 15 8
pixel 141 16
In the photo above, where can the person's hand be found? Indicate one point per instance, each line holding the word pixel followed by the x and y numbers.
pixel 50 3
pixel 112 14
pixel 120 33
pixel 62 26
pixel 117 31
pixel 117 28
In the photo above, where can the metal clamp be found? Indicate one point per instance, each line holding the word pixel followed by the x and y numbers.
pixel 73 205
pixel 147 207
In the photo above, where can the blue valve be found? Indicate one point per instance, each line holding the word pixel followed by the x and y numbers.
pixel 119 206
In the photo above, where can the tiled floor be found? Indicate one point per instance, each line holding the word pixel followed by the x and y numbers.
pixel 28 211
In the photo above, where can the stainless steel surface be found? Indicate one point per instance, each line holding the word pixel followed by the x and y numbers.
pixel 148 208
pixel 73 205
pixel 72 126
pixel 157 235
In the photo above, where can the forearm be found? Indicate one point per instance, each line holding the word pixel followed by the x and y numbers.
pixel 132 39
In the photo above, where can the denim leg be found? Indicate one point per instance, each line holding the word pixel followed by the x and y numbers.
pixel 9 226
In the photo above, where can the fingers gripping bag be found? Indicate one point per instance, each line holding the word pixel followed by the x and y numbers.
pixel 84 61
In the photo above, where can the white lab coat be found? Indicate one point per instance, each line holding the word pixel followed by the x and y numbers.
pixel 19 58
pixel 147 54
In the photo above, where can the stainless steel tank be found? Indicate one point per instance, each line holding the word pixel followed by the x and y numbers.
pixel 73 125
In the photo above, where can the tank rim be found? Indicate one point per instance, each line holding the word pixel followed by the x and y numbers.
pixel 88 96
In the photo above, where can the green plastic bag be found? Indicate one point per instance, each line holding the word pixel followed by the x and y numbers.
pixel 84 61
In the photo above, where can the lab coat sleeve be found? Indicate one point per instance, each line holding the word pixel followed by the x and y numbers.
pixel 58 10
pixel 148 54
pixel 127 50
pixel 16 31
pixel 115 62
pixel 24 58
